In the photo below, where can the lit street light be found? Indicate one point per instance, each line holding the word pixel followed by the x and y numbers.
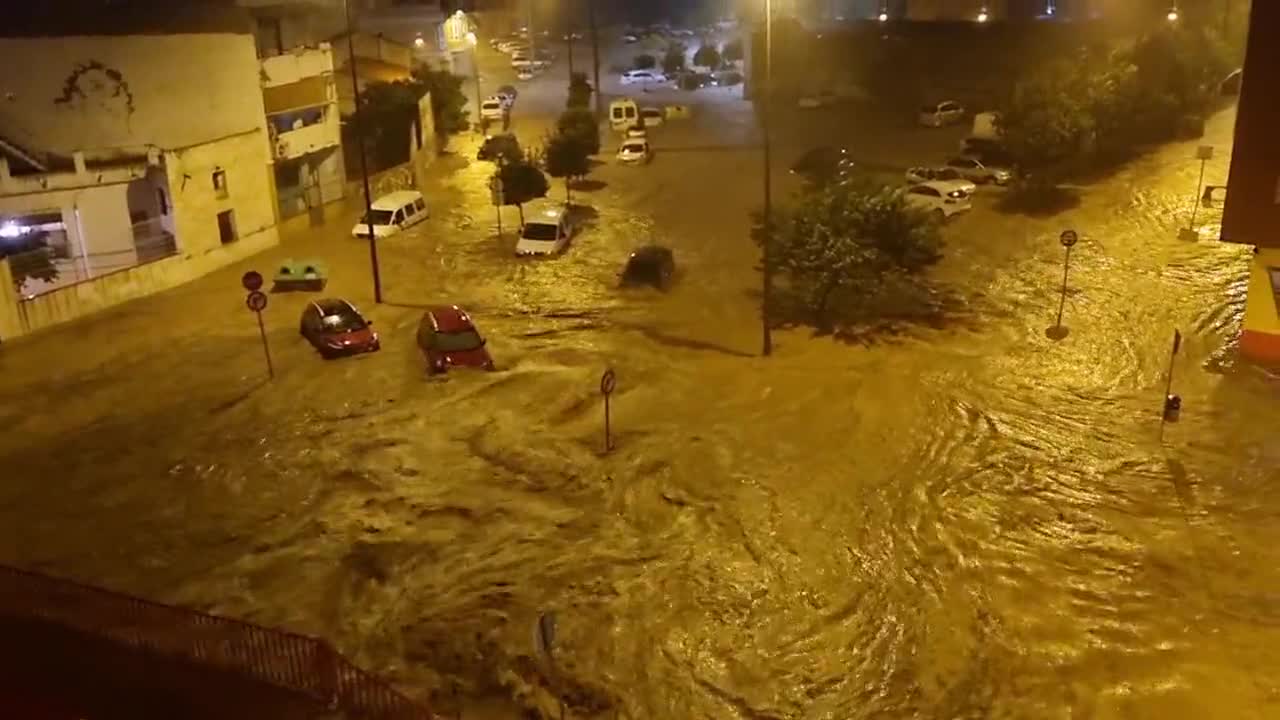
pixel 884 17
pixel 419 43
pixel 983 16
pixel 1173 15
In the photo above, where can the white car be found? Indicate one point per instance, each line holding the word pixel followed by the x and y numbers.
pixel 630 38
pixel 493 109
pixel 634 152
pixel 525 73
pixel 635 132
pixel 974 169
pixel 546 230
pixel 917 175
pixel 940 198
pixel 392 213
pixel 652 116
pixel 642 77
pixel 946 112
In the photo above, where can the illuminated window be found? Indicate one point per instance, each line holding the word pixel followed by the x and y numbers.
pixel 220 182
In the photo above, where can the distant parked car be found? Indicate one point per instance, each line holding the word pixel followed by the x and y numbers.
pixel 448 338
pixel 947 112
pixel 940 198
pixel 652 265
pixel 635 152
pixel 493 109
pixel 507 93
pixel 917 175
pixel 823 164
pixel 525 73
pixel 642 77
pixel 979 172
pixel 652 116
pixel 630 38
pixel 335 327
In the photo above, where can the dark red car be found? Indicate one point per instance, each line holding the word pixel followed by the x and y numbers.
pixel 334 327
pixel 448 338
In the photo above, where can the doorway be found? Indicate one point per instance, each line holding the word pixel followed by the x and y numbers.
pixel 227 227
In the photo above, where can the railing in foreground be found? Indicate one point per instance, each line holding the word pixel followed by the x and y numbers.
pixel 304 665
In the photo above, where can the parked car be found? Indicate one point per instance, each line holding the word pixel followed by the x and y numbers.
pixel 974 169
pixel 917 175
pixel 690 80
pixel 630 38
pixel 652 116
pixel 989 151
pixel 642 77
pixel 636 132
pixel 823 164
pixel 634 152
pixel 525 73
pixel 546 230
pixel 335 327
pixel 652 265
pixel 493 109
pixel 727 78
pixel 946 112
pixel 507 93
pixel 392 213
pixel 448 338
pixel 939 197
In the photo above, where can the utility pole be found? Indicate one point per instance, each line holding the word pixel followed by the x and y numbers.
pixel 595 55
pixel 766 290
pixel 364 163
pixel 570 36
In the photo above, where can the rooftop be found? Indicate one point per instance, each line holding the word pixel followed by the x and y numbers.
pixel 65 18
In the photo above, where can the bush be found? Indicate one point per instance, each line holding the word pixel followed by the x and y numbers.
pixel 732 51
pixel 579 91
pixel 673 60
pixel 566 157
pixel 645 62
pixel 707 56
pixel 522 182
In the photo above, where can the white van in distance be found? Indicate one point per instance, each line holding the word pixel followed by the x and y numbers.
pixel 623 114
pixel 392 213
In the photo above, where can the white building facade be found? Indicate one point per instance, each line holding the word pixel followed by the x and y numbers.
pixel 137 162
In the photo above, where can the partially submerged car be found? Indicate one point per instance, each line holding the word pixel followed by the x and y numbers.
pixel 651 265
pixel 335 327
pixel 448 338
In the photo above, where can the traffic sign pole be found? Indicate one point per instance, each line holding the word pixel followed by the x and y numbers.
pixel 256 301
pixel 608 381
pixel 1068 239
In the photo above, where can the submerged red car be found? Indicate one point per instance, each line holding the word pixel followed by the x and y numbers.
pixel 448 338
pixel 334 327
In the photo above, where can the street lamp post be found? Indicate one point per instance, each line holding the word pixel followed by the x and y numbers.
pixel 364 163
pixel 595 54
pixel 766 259
pixel 474 42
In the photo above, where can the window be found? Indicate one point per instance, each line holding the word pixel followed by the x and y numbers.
pixel 420 205
pixel 399 217
pixel 409 210
pixel 227 227
pixel 220 182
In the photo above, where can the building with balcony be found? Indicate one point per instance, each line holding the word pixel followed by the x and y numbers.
pixel 1252 212
pixel 134 156
pixel 300 98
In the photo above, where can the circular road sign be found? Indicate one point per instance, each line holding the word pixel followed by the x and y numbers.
pixel 256 301
pixel 608 381
pixel 1068 238
pixel 252 281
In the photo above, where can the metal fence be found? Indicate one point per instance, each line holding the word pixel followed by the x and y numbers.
pixel 297 663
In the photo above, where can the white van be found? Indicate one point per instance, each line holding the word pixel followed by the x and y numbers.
pixel 623 114
pixel 392 213
pixel 546 230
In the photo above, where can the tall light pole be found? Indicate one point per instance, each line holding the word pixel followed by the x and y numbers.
pixel 766 289
pixel 474 42
pixel 364 163
pixel 595 55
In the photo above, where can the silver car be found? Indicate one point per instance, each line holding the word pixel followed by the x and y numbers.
pixel 974 169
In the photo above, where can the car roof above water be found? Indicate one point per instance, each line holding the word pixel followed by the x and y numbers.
pixel 396 200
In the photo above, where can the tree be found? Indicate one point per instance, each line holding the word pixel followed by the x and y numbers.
pixel 581 125
pixel 673 59
pixel 846 242
pixel 566 157
pixel 1047 124
pixel 707 56
pixel 579 91
pixel 31 260
pixel 502 149
pixel 645 62
pixel 732 51
pixel 389 111
pixel 522 182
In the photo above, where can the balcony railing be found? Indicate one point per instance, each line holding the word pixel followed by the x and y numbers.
pixel 307 139
pixel 305 666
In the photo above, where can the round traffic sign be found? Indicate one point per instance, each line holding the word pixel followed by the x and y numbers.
pixel 252 280
pixel 608 381
pixel 1068 238
pixel 256 301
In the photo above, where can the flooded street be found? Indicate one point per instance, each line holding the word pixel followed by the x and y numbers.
pixel 963 521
